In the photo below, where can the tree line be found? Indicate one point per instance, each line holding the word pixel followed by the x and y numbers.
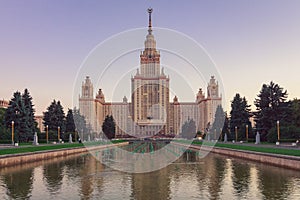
pixel 55 121
pixel 20 115
pixel 273 111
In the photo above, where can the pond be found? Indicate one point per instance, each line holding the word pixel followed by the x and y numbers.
pixel 189 177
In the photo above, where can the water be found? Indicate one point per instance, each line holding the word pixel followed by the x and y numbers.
pixel 214 177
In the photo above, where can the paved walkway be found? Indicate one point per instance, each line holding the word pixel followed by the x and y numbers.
pixel 282 145
pixel 7 146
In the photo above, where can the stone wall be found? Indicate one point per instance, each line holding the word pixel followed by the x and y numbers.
pixel 17 159
pixel 291 162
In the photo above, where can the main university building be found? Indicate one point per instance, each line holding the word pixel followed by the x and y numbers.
pixel 150 111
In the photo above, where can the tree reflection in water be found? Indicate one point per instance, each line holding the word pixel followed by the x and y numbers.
pixel 53 175
pixel 189 177
pixel 19 183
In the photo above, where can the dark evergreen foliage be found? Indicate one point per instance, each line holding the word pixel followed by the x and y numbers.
pixel 54 117
pixel 218 123
pixel 188 129
pixel 80 123
pixel 271 106
pixel 70 124
pixel 21 112
pixel 226 127
pixel 31 125
pixel 4 132
pixel 239 116
pixel 295 112
pixel 109 127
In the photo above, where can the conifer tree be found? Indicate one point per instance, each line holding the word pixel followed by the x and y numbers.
pixel 21 112
pixel 29 114
pixel 80 123
pixel 109 127
pixel 188 129
pixel 70 125
pixel 218 123
pixel 54 117
pixel 271 107
pixel 239 116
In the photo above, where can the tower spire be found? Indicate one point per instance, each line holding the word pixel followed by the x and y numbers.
pixel 150 10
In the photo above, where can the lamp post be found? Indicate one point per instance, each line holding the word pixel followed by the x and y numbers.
pixel 236 136
pixel 58 133
pixel 278 131
pixel 12 132
pixel 47 133
pixel 247 132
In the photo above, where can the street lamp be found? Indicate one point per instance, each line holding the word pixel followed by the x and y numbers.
pixel 47 133
pixel 58 133
pixel 12 132
pixel 236 136
pixel 278 131
pixel 247 132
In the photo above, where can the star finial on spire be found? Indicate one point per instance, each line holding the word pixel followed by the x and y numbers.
pixel 150 10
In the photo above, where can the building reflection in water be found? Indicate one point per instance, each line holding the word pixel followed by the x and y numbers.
pixel 189 177
pixel 152 185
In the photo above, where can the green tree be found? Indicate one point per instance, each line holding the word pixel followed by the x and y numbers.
pixel 54 117
pixel 29 121
pixel 270 107
pixel 70 125
pixel 289 133
pixel 239 116
pixel 21 112
pixel 289 124
pixel 80 123
pixel 109 127
pixel 14 114
pixel 226 127
pixel 4 132
pixel 188 129
pixel 218 123
pixel 295 112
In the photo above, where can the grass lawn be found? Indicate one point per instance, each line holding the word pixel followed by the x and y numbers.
pixel 258 148
pixel 27 148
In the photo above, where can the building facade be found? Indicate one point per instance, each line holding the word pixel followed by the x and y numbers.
pixel 3 103
pixel 39 120
pixel 150 111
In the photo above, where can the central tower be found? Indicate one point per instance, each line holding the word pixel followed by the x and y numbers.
pixel 150 90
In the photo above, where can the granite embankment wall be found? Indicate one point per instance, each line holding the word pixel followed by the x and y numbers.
pixel 291 162
pixel 16 159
